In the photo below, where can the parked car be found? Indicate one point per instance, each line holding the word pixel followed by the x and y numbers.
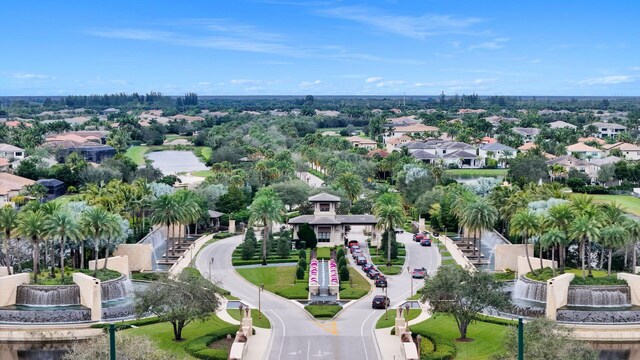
pixel 366 267
pixel 361 260
pixel 419 273
pixel 417 237
pixel 425 242
pixel 356 253
pixel 373 274
pixel 380 302
pixel 398 230
pixel 381 282
pixel 353 243
pixel 352 248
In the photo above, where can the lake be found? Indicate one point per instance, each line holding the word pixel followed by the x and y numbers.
pixel 173 162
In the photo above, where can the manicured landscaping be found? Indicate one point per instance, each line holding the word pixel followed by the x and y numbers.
pixel 630 203
pixel 203 173
pixel 477 172
pixel 136 153
pixel 391 318
pixel 45 279
pixel 600 277
pixel 272 258
pixel 323 253
pixel 504 276
pixel 390 270
pixel 323 311
pixel 443 332
pixel 356 287
pixel 261 322
pixel 280 280
pixel 197 336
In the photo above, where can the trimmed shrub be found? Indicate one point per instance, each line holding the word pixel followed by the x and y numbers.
pixel 299 273
pixel 342 262
pixel 444 349
pixel 303 264
pixel 344 273
pixel 302 254
pixel 340 254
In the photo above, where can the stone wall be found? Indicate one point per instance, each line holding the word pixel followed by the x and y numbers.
pixel 506 255
pixel 140 256
pixel 188 255
pixel 90 294
pixel 523 265
pixel 8 287
pixel 456 254
pixel 634 285
pixel 115 263
pixel 557 294
pixel 4 271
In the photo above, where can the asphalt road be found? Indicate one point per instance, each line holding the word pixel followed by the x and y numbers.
pixel 295 335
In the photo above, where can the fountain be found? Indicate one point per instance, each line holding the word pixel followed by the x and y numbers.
pixel 42 295
pixel 116 298
pixel 607 296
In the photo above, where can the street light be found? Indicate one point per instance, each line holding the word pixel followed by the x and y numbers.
pixel 386 311
pixel 210 274
pixel 410 279
pixel 260 289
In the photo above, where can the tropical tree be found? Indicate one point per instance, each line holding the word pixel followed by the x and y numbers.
pixel 613 236
pixel 190 211
pixel 352 185
pixel 63 226
pixel 166 212
pixel 478 216
pixel 551 238
pixel 266 209
pixel 8 223
pixel 390 213
pixel 585 229
pixel 30 224
pixel 525 223
pixel 94 224
pixel 633 227
pixel 559 217
pixel 113 231
pixel 48 209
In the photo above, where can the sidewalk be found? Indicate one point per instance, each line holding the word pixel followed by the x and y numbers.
pixel 390 346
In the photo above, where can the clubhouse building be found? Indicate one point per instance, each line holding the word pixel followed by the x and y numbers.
pixel 331 229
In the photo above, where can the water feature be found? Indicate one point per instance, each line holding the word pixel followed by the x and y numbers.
pixel 173 162
pixel 35 295
pixel 608 296
pixel 116 289
pixel 526 289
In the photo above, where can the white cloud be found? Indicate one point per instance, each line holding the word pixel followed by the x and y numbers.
pixel 536 61
pixel 31 76
pixel 418 27
pixel 373 79
pixel 634 68
pixel 459 84
pixel 311 84
pixel 607 80
pixel 390 83
pixel 497 43
pixel 244 82
pixel 204 83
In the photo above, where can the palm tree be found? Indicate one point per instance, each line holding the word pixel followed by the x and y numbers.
pixel 525 223
pixel 63 226
pixel 478 216
pixel 48 209
pixel 551 238
pixel 30 224
pixel 633 227
pixel 352 185
pixel 187 202
pixel 94 225
pixel 390 213
pixel 613 236
pixel 559 217
pixel 166 212
pixel 8 223
pixel 585 228
pixel 266 209
pixel 113 230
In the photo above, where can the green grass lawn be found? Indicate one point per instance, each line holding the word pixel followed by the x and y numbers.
pixel 323 311
pixel 65 199
pixel 487 337
pixel 391 318
pixel 162 335
pixel 203 173
pixel 136 153
pixel 477 172
pixel 323 253
pixel 600 277
pixel 278 280
pixel 390 270
pixel 356 287
pixel 262 322
pixel 206 152
pixel 629 203
pixel 170 137
pixel 45 279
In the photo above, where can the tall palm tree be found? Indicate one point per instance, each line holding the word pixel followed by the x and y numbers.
pixel 166 212
pixel 525 223
pixel 478 216
pixel 63 226
pixel 8 223
pixel 553 237
pixel 94 225
pixel 30 224
pixel 266 209
pixel 187 201
pixel 559 217
pixel 390 213
pixel 613 236
pixel 352 185
pixel 48 209
pixel 585 229
pixel 633 227
pixel 112 230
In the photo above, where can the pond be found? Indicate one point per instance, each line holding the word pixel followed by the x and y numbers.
pixel 173 162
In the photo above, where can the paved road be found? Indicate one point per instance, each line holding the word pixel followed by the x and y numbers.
pixel 294 334
pixel 310 179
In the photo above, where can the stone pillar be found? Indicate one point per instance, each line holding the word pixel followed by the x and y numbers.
pixel 634 286
pixel 557 294
pixel 246 324
pixel 421 226
pixel 9 285
pixel 90 294
pixel 401 322
pixel 232 226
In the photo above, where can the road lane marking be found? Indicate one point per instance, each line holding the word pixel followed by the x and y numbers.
pixel 308 349
pixel 364 344
pixel 283 334
pixel 331 327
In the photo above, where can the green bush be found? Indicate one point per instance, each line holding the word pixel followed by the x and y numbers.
pixel 199 347
pixel 302 254
pixel 342 262
pixel 146 276
pixel 300 273
pixel 222 235
pixel 239 262
pixel 303 264
pixel 344 273
pixel 444 349
pixel 426 346
pixel 294 292
pixel 340 254
pixel 323 311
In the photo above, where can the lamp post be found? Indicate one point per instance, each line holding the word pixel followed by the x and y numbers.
pixel 210 274
pixel 410 279
pixel 260 288
pixel 112 342
pixel 520 339
pixel 386 311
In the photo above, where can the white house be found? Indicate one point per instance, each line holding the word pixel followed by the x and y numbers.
pixel 528 134
pixel 630 151
pixel 584 151
pixel 562 125
pixel 413 129
pixel 359 142
pixel 9 151
pixel 608 129
pixel 330 228
pixel 497 151
pixel 569 162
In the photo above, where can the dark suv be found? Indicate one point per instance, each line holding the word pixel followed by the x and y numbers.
pixel 381 282
pixel 361 260
pixel 373 274
pixel 380 302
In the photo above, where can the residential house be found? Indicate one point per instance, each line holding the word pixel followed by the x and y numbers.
pixel 569 163
pixel 448 147
pixel 359 142
pixel 462 159
pixel 55 188
pixel 496 120
pixel 592 139
pixel 562 125
pixel 330 228
pixel 402 121
pixel 11 186
pixel 394 142
pixel 528 134
pixel 377 152
pixel 497 151
pixel 606 160
pixel 99 137
pixel 629 151
pixel 11 152
pixel 584 151
pixel 608 129
pixel 427 157
pixel 413 129
pixel 329 113
pixel 471 111
pixel 529 146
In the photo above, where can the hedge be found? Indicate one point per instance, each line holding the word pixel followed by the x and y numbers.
pixel 122 325
pixel 240 262
pixel 323 311
pixel 199 347
pixel 444 349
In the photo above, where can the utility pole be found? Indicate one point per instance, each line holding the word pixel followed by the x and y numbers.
pixel 260 288
pixel 520 339
pixel 386 311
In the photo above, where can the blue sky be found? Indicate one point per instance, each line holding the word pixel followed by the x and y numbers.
pixel 281 47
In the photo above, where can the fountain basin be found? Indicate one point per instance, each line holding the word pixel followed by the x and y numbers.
pixel 44 314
